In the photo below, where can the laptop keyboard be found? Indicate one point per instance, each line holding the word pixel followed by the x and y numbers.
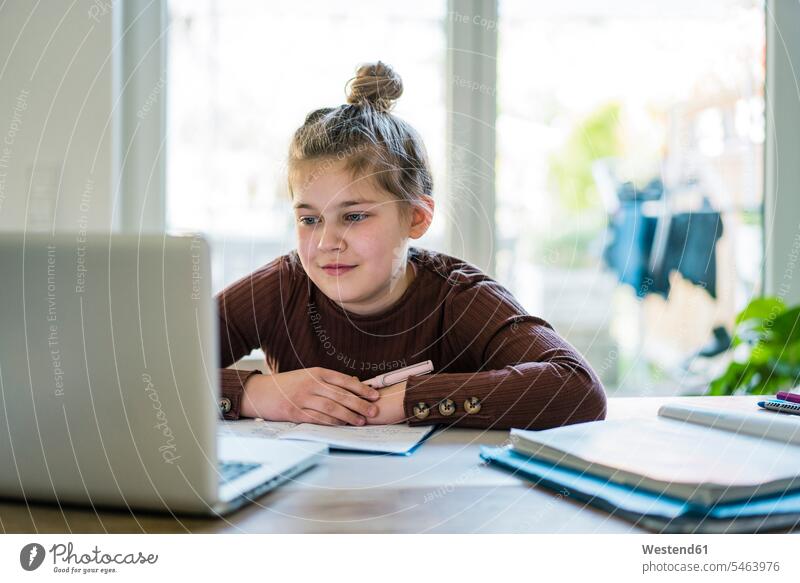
pixel 229 471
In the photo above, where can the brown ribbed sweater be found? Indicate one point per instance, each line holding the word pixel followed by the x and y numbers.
pixel 482 342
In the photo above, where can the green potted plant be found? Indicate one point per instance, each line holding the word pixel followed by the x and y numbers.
pixel 766 350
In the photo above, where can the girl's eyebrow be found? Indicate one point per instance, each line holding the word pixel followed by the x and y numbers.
pixel 305 205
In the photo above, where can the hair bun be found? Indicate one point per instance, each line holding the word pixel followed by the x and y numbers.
pixel 375 84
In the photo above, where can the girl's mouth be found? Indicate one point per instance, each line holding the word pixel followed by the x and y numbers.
pixel 337 270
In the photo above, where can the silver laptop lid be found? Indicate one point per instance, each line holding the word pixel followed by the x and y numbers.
pixel 108 370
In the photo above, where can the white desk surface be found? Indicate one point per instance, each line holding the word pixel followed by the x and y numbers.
pixel 441 487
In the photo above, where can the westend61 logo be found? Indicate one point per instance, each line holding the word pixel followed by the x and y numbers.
pixel 32 556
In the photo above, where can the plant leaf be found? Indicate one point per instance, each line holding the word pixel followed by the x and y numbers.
pixel 761 309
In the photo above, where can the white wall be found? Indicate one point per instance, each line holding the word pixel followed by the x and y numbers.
pixel 55 115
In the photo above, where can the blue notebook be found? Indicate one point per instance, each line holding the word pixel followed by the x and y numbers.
pixel 651 510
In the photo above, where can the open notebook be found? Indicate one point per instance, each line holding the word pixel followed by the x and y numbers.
pixel 394 439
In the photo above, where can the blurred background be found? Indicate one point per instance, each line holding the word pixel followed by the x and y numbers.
pixel 596 102
pixel 609 163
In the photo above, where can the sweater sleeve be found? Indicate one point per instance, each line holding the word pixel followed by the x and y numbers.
pixel 246 310
pixel 526 375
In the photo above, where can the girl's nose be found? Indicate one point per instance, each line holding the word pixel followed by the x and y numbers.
pixel 330 239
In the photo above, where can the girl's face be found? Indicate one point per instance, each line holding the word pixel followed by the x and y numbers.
pixel 352 238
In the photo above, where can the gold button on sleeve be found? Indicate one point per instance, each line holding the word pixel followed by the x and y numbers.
pixel 225 404
pixel 421 410
pixel 447 407
pixel 472 405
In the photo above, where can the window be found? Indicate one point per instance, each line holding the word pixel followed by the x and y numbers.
pixel 648 112
pixel 602 102
pixel 243 76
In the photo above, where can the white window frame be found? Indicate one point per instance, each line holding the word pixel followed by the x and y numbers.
pixel 140 115
pixel 781 217
pixel 471 129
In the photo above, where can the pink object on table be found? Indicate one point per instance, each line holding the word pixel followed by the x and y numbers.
pixel 399 375
pixel 793 397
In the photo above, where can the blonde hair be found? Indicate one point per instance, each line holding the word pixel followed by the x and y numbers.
pixel 367 138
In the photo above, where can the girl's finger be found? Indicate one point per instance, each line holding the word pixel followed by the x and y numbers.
pixel 346 398
pixel 333 409
pixel 312 416
pixel 349 383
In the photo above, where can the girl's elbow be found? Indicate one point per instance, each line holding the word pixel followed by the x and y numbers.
pixel 590 399
pixel 584 402
pixel 587 394
pixel 596 401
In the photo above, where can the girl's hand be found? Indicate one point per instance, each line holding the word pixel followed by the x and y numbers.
pixel 390 405
pixel 309 395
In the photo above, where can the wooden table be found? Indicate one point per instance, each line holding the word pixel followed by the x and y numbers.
pixel 442 487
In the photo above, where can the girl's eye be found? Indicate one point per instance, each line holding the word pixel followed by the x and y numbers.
pixel 352 217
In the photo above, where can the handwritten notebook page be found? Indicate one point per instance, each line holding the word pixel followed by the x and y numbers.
pixel 254 428
pixel 396 439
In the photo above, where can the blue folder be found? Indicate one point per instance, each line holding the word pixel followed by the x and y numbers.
pixel 651 510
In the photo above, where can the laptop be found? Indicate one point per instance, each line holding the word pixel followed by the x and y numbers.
pixel 109 391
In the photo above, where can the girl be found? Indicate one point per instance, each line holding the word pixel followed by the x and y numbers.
pixel 354 300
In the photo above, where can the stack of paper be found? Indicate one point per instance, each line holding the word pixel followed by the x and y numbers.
pixel 652 511
pixel 666 474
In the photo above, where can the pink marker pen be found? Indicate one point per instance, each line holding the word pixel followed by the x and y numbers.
pixel 785 396
pixel 399 375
